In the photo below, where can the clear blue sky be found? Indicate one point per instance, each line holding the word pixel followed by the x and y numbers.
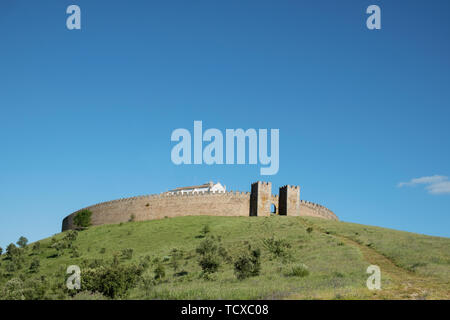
pixel 86 116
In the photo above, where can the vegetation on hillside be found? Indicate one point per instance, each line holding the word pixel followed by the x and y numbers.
pixel 228 258
pixel 82 219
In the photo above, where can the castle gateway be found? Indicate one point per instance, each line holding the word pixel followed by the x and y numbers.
pixel 208 199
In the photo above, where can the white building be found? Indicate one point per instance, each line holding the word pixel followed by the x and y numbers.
pixel 204 188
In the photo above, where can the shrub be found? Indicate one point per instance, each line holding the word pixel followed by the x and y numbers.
pixel 34 266
pixel 15 255
pixel 75 253
pixel 132 217
pixel 12 251
pixel 175 257
pixel 278 247
pixel 36 247
pixel 13 290
pixel 22 242
pixel 210 258
pixel 70 236
pixel 59 247
pixel 209 263
pixel 102 250
pixel 159 271
pixel 144 262
pixel 82 218
pixel 13 265
pixel 146 285
pixel 127 254
pixel 309 229
pixel 1 251
pixel 248 264
pixel 34 289
pixel 111 281
pixel 299 270
pixel 209 245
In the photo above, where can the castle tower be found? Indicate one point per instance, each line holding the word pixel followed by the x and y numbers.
pixel 289 201
pixel 260 197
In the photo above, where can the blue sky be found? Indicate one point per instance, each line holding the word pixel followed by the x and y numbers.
pixel 86 115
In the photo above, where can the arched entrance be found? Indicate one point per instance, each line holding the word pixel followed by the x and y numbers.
pixel 273 209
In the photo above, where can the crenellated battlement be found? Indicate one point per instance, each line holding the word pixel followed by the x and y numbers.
pixel 223 203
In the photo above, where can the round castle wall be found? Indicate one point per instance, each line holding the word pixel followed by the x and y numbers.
pixel 174 205
pixel 166 205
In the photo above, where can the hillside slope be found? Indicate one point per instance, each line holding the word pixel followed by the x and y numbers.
pixel 301 258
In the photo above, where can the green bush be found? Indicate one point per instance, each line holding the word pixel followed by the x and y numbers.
pixel 34 289
pixel 22 242
pixel 209 251
pixel 144 262
pixel 111 281
pixel 209 263
pixel 12 251
pixel 127 254
pixel 278 247
pixel 36 247
pixel 16 258
pixel 299 270
pixel 248 264
pixel 34 266
pixel 13 290
pixel 82 218
pixel 159 271
pixel 59 246
pixel 70 237
pixel 175 257
pixel 75 253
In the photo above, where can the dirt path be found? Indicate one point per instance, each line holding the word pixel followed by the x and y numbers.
pixel 396 282
pixel 399 283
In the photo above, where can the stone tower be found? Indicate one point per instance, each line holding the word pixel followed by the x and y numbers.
pixel 260 199
pixel 289 201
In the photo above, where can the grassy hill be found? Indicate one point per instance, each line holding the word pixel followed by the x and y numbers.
pixel 298 258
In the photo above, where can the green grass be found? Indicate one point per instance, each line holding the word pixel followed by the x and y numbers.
pixel 336 255
pixel 426 255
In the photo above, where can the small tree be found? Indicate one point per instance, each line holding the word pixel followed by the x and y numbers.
pixel 82 218
pixel 12 250
pixel 175 257
pixel 22 242
pixel 209 259
pixel 1 251
pixel 248 264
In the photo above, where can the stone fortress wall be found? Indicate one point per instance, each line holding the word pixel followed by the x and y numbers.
pixel 158 206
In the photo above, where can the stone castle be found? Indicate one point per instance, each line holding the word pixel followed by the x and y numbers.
pixel 208 199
